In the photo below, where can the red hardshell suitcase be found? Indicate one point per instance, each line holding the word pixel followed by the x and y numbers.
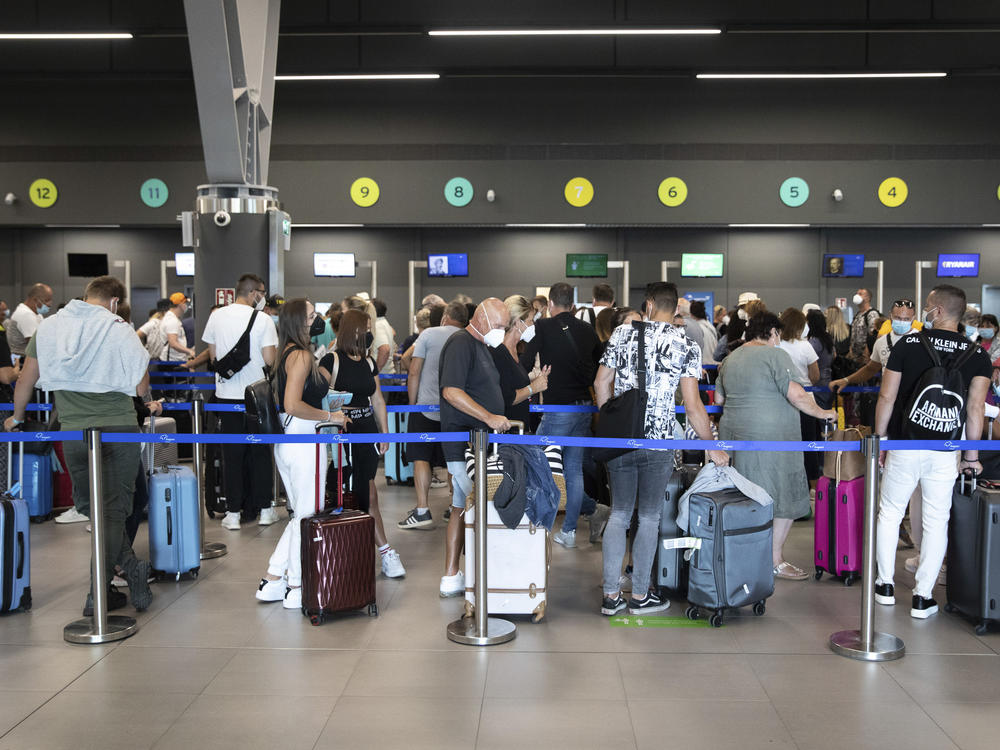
pixel 839 517
pixel 62 484
pixel 338 559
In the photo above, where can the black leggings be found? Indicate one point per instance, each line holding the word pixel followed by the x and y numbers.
pixel 363 461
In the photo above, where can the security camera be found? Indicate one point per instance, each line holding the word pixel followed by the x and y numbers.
pixel 10 199
pixel 491 195
pixel 222 218
pixel 838 195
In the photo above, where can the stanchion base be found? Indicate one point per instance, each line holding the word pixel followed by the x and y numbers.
pixel 885 647
pixel 497 631
pixel 210 550
pixel 82 631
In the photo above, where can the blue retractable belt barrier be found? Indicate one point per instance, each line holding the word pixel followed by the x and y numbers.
pixel 412 409
pixel 180 374
pixel 394 389
pixel 192 387
pixel 394 376
pixel 28 407
pixel 583 408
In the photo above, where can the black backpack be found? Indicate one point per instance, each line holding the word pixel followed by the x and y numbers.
pixel 936 409
pixel 239 356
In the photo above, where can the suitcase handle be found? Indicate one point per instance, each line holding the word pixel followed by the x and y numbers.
pixel 21 547
pixel 340 470
pixel 973 475
pixel 170 527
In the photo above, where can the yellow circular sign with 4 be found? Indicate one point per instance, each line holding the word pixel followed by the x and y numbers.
pixel 43 193
pixel 364 192
pixel 892 192
pixel 579 192
pixel 673 191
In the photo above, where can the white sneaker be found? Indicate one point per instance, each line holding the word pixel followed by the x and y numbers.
pixel 89 528
pixel 452 585
pixel 437 483
pixel 267 517
pixel 272 591
pixel 119 582
pixel 293 599
pixel 392 566
pixel 566 538
pixel 231 521
pixel 71 516
pixel 911 563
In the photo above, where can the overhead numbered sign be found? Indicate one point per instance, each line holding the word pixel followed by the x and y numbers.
pixel 458 191
pixel 893 192
pixel 154 192
pixel 579 192
pixel 43 193
pixel 672 192
pixel 364 192
pixel 794 192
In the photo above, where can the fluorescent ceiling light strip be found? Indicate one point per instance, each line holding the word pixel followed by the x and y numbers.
pixel 325 226
pixel 610 31
pixel 362 77
pixel 545 226
pixel 83 226
pixel 767 226
pixel 773 76
pixel 50 37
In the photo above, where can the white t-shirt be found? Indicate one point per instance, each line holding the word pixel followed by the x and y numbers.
pixel 223 330
pixel 21 327
pixel 152 329
pixel 383 337
pixel 172 324
pixel 802 355
pixel 880 352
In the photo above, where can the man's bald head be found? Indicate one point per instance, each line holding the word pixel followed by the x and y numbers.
pixel 39 295
pixel 491 313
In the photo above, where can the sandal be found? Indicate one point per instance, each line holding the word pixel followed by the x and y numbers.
pixel 789 572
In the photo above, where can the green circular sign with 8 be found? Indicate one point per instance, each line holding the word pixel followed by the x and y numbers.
pixel 458 191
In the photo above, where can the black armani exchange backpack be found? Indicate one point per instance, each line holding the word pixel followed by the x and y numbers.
pixel 936 410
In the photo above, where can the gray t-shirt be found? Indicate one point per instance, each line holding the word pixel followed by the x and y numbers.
pixel 428 347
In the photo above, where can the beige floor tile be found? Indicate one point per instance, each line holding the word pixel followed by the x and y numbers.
pixel 953 679
pixel 413 723
pixel 46 667
pixel 17 705
pixel 785 635
pixel 557 676
pixel 202 628
pixel 285 672
pixel 719 725
pixel 971 726
pixel 97 720
pixel 145 669
pixel 941 634
pixel 263 722
pixel 430 674
pixel 555 724
pixel 816 724
pixel 787 678
pixel 285 628
pixel 695 676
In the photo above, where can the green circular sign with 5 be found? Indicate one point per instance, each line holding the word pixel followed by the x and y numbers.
pixel 794 192
pixel 154 192
pixel 458 191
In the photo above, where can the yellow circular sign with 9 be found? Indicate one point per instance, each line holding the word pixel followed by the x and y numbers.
pixel 364 192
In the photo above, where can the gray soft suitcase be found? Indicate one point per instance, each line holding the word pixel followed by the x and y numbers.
pixel 974 553
pixel 671 570
pixel 731 565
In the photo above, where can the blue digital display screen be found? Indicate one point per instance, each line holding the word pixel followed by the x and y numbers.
pixel 843 266
pixel 958 264
pixel 448 264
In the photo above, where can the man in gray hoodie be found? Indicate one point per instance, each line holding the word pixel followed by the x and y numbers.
pixel 94 363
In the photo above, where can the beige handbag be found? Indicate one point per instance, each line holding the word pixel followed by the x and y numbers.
pixel 842 466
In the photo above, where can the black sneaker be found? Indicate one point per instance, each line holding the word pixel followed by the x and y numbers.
pixel 611 607
pixel 885 594
pixel 116 600
pixel 447 513
pixel 651 603
pixel 923 608
pixel 417 520
pixel 137 575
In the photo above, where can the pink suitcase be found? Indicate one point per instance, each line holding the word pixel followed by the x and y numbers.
pixel 839 517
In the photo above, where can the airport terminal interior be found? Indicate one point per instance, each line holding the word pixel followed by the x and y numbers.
pixel 801 152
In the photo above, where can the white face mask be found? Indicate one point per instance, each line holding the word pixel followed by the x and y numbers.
pixel 742 314
pixel 725 320
pixel 260 303
pixel 537 315
pixel 493 337
pixel 858 299
pixel 805 332
pixel 528 334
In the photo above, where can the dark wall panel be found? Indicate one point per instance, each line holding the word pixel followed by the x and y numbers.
pixel 480 12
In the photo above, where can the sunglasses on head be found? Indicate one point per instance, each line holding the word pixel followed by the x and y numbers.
pixel 903 303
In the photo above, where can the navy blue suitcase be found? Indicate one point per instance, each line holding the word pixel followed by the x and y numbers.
pixel 15 553
pixel 174 521
pixel 36 485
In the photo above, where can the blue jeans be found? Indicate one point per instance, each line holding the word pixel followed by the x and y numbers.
pixel 638 479
pixel 571 425
pixel 462 485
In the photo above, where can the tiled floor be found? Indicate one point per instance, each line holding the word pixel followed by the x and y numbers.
pixel 211 667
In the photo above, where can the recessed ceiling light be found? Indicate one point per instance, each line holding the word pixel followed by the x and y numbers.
pixel 83 226
pixel 362 77
pixel 610 31
pixel 544 226
pixel 767 226
pixel 766 76
pixel 50 37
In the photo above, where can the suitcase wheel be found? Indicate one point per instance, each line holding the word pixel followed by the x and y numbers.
pixel 317 619
pixel 759 608
pixel 819 573
pixel 715 620
pixel 692 613
pixel 373 610
pixel 950 608
pixel 849 579
pixel 982 628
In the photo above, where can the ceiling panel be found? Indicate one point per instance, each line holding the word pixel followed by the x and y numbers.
pixel 744 52
pixel 19 15
pixel 159 55
pixel 900 10
pixel 488 12
pixel 69 15
pixel 310 54
pixel 304 12
pixel 55 57
pixel 430 53
pixel 744 11
pixel 966 10
pixel 158 15
pixel 937 51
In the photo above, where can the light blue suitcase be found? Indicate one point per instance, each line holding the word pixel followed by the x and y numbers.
pixel 15 553
pixel 398 470
pixel 174 521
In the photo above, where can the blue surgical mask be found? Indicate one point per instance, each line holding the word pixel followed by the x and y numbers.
pixel 986 333
pixel 43 309
pixel 971 332
pixel 928 323
pixel 901 327
pixel 275 319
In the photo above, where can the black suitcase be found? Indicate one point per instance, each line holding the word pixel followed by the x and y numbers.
pixel 974 552
pixel 671 569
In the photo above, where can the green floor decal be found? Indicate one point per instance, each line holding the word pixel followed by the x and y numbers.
pixel 656 621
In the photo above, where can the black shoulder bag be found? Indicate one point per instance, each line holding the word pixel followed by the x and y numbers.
pixel 239 356
pixel 624 416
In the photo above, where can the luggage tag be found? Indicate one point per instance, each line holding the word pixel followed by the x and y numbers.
pixel 688 543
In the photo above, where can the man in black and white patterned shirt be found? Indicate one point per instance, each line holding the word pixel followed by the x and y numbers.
pixel 641 476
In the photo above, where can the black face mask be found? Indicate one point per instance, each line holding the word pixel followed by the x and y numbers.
pixel 369 340
pixel 318 327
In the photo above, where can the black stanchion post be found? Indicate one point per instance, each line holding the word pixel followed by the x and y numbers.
pixel 867 644
pixel 482 630
pixel 102 627
pixel 209 550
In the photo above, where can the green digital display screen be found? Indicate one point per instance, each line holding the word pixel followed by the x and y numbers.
pixel 587 265
pixel 701 265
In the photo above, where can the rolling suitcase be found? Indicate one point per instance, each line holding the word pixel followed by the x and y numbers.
pixel 837 535
pixel 36 485
pixel 731 565
pixel 671 567
pixel 163 454
pixel 338 558
pixel 974 552
pixel 398 470
pixel 15 553
pixel 62 483
pixel 174 521
pixel 517 560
